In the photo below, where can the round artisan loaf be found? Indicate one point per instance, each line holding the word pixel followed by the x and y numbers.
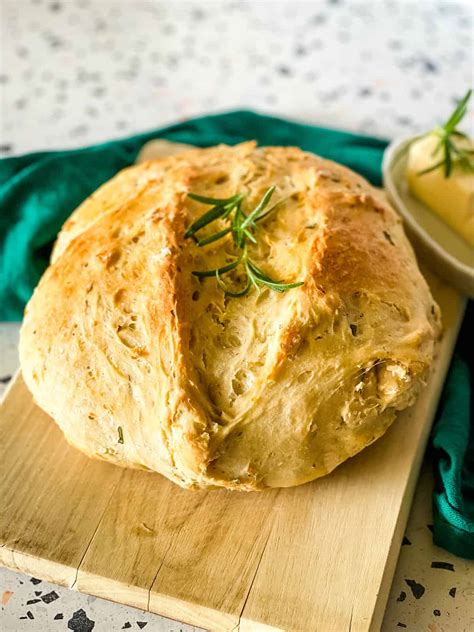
pixel 145 365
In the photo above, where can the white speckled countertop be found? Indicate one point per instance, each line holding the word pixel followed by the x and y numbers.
pixel 80 71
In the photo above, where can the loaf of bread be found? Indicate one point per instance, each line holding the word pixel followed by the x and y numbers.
pixel 146 365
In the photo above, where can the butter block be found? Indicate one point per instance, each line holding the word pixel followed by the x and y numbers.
pixel 451 198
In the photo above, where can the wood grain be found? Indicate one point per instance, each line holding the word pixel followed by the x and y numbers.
pixel 214 558
pixel 47 520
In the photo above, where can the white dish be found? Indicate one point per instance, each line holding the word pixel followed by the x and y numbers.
pixel 436 242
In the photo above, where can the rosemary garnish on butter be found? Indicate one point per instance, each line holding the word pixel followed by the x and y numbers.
pixel 451 153
pixel 243 227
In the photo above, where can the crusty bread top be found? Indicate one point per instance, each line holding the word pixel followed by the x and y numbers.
pixel 121 342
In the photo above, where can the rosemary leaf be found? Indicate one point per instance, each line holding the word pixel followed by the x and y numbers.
pixel 223 270
pixel 204 220
pixel 271 209
pixel 214 201
pixel 458 114
pixel 448 162
pixel 432 168
pixel 259 208
pixel 214 237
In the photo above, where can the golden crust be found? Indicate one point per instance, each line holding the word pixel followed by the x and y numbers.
pixel 121 341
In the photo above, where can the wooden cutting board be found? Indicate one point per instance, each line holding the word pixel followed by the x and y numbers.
pixel 316 557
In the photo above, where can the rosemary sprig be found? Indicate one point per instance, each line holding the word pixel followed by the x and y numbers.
pixel 243 228
pixel 451 153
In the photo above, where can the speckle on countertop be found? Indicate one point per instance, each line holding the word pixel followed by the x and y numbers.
pixel 447 566
pixel 418 590
pixel 79 622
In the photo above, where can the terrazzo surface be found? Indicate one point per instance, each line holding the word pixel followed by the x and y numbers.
pixel 79 72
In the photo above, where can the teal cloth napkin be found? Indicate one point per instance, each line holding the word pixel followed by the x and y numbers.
pixel 452 443
pixel 39 191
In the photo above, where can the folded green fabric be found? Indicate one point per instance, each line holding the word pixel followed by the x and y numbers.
pixel 453 451
pixel 39 191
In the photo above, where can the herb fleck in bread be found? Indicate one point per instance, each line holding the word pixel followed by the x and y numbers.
pixel 145 365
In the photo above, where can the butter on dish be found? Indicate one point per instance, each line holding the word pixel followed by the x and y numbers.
pixel 440 172
pixel 451 198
